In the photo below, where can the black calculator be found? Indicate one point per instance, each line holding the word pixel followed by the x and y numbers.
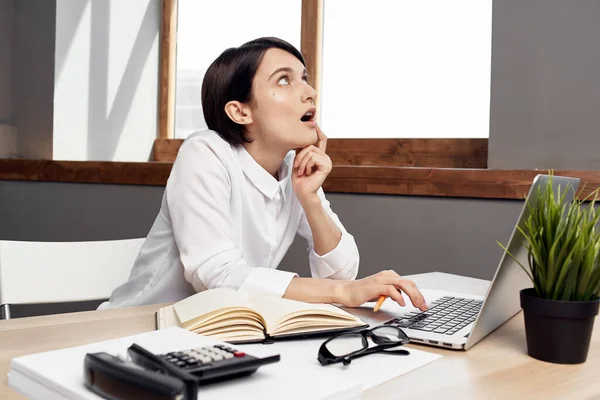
pixel 214 363
pixel 171 376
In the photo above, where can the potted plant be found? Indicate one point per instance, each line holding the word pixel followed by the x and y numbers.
pixel 563 243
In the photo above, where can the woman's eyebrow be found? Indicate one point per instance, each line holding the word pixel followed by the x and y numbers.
pixel 287 69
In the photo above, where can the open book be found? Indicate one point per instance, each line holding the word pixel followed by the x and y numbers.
pixel 238 317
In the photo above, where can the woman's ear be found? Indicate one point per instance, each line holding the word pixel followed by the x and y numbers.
pixel 238 112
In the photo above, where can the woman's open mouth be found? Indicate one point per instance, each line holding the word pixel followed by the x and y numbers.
pixel 309 116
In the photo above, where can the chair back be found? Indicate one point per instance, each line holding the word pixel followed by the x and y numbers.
pixel 48 272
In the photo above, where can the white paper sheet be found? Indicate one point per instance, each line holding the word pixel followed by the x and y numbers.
pixel 39 376
pixel 370 370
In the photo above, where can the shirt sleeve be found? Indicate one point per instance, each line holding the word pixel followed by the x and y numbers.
pixel 341 262
pixel 198 196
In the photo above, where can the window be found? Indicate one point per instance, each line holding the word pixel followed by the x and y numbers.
pixel 406 69
pixel 206 28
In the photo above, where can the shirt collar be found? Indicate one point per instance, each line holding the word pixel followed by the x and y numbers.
pixel 285 173
pixel 264 181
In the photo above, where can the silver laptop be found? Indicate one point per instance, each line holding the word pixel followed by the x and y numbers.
pixel 459 321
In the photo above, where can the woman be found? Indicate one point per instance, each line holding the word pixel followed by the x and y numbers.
pixel 239 192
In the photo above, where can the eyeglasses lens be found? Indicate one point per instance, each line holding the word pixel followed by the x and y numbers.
pixel 345 344
pixel 389 334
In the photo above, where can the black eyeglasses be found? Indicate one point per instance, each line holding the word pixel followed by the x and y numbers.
pixel 348 346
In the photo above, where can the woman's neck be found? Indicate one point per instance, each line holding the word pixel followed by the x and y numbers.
pixel 267 158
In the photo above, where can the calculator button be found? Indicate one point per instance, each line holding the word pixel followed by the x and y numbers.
pixel 239 353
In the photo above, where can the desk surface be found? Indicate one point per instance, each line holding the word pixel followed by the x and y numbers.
pixel 496 368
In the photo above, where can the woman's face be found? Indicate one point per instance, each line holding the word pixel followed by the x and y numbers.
pixel 282 106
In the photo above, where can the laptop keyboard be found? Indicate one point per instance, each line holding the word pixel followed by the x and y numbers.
pixel 446 315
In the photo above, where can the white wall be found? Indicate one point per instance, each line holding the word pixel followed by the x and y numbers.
pixel 106 79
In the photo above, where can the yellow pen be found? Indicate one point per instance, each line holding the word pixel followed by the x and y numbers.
pixel 379 303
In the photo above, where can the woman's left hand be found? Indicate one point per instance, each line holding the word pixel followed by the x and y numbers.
pixel 311 167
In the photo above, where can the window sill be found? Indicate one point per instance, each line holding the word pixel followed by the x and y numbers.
pixel 408 181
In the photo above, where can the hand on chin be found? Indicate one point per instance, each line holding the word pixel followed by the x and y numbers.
pixel 311 167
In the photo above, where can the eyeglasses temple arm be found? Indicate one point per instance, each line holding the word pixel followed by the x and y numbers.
pixel 378 349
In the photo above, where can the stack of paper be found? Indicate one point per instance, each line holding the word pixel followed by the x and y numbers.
pixel 297 376
pixel 59 374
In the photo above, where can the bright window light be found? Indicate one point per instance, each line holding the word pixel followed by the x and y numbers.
pixel 406 69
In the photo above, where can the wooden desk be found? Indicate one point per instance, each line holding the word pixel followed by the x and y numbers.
pixel 496 368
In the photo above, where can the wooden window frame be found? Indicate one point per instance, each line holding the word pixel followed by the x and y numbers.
pixel 168 69
pixel 430 182
pixel 435 153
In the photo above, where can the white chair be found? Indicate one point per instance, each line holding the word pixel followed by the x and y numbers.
pixel 63 272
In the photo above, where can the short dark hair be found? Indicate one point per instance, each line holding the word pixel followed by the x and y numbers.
pixel 229 78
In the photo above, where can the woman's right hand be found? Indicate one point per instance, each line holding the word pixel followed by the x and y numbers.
pixel 385 283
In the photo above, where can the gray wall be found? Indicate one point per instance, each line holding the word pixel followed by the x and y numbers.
pixel 33 76
pixel 412 234
pixel 545 85
pixel 6 14
pixel 49 211
pixel 404 233
pixel 8 145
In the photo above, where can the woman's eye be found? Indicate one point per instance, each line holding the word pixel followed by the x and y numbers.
pixel 283 81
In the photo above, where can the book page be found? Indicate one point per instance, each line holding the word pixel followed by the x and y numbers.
pixel 214 305
pixel 314 320
pixel 289 330
pixel 277 311
pixel 241 336
pixel 166 318
pixel 233 317
pixel 240 330
pixel 241 323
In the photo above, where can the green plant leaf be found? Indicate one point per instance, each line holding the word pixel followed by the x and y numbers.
pixel 562 240
pixel 587 269
pixel 593 289
pixel 560 282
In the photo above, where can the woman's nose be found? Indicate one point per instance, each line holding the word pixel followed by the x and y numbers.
pixel 310 94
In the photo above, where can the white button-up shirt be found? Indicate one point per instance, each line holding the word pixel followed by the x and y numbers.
pixel 225 221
